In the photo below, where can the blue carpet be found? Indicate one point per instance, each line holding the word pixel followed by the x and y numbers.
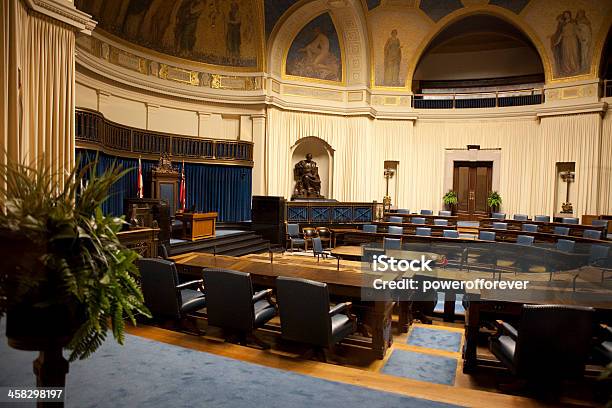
pixel 145 373
pixel 435 339
pixel 421 367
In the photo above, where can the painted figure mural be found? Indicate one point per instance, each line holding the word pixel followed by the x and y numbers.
pixel 209 31
pixel 571 44
pixel 315 52
pixel 393 59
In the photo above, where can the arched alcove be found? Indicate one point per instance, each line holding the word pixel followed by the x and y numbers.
pixel 478 51
pixel 605 65
pixel 322 154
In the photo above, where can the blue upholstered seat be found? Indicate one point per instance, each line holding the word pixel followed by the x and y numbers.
pixel 570 220
pixel 423 232
pixel 542 218
pixel 369 228
pixel 445 213
pixel 418 220
pixel 561 231
pixel 524 240
pixel 440 221
pixel 520 217
pixel 395 230
pixel 486 236
pixel 426 212
pixel 593 234
pixel 395 219
pixel 600 223
pixel 499 216
pixel 566 245
pixel 500 225
pixel 530 228
pixel 450 234
pixel 392 243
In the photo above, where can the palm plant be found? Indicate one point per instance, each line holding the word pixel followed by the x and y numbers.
pixel 450 198
pixel 494 200
pixel 71 259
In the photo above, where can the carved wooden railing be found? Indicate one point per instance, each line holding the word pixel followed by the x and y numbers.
pixel 93 130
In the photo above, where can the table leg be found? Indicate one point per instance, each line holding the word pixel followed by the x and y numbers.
pixel 472 326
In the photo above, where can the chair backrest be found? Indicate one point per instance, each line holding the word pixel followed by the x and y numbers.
pixel 309 232
pixel 418 220
pixel 566 245
pixel 304 310
pixel 553 341
pixel 229 299
pixel 593 234
pixel 293 230
pixel 600 223
pixel 423 232
pixel 570 220
pixel 486 236
pixel 499 216
pixel 163 251
pixel 158 279
pixel 403 211
pixel 317 245
pixel 542 218
pixel 323 232
pixel 392 243
pixel 426 212
pixel 530 228
pixel 561 230
pixel 369 228
pixel 500 225
pixel 520 217
pixel 524 240
pixel 369 253
pixel 598 252
pixel 395 219
pixel 445 213
pixel 395 230
pixel 450 234
pixel 440 221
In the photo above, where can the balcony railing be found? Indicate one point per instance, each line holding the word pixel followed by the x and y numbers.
pixel 95 131
pixel 475 100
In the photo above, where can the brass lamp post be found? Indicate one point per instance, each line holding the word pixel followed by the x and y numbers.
pixel 389 173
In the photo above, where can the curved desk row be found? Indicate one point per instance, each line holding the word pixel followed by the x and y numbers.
pixel 546 227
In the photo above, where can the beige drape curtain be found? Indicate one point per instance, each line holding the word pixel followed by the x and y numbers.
pixel 605 166
pixel 530 150
pixel 38 94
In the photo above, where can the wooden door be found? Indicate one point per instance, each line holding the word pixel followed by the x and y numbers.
pixel 472 181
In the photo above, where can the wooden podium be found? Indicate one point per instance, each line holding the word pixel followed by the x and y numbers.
pixel 198 225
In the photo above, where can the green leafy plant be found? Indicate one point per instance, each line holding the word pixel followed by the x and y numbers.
pixel 65 251
pixel 494 200
pixel 450 198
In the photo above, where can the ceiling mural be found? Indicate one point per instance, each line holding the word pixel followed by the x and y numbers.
pixel 316 52
pixel 274 10
pixel 438 9
pixel 218 32
pixel 516 6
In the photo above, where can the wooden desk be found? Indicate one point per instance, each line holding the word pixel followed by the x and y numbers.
pixel 373 316
pixel 355 253
pixel 510 235
pixel 575 230
pixel 452 219
pixel 142 240
pixel 198 225
pixel 410 228
pixel 361 236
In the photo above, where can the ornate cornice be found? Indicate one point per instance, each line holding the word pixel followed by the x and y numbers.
pixel 64 11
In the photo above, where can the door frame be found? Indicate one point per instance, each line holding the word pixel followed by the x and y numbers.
pixel 472 214
pixel 465 155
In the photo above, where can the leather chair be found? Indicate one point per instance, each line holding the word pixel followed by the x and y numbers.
pixel 486 236
pixel 163 251
pixel 423 232
pixel 570 220
pixel 561 231
pixel 418 220
pixel 542 218
pixel 396 219
pixel 403 211
pixel 450 234
pixel 325 234
pixel 426 212
pixel 395 230
pixel 445 213
pixel 520 217
pixel 600 223
pixel 306 316
pixel 499 216
pixel 232 305
pixel 524 240
pixel 164 296
pixel 565 245
pixel 392 243
pixel 599 257
pixel 440 222
pixel 500 225
pixel 593 234
pixel 551 342
pixel 369 228
pixel 294 237
pixel 318 251
pixel 530 228
pixel 309 233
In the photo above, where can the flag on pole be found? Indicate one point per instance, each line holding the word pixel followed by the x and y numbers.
pixel 183 190
pixel 139 186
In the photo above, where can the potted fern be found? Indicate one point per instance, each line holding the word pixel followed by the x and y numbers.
pixel 494 201
pixel 450 200
pixel 66 280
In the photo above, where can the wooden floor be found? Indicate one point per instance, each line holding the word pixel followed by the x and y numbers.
pixel 356 366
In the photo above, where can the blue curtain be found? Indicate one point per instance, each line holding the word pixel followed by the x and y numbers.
pixel 224 189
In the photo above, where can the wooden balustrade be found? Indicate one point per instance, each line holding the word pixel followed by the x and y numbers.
pixel 93 131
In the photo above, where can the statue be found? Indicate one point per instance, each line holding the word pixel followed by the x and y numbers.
pixel 307 180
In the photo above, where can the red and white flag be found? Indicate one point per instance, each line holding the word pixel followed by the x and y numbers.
pixel 139 186
pixel 183 189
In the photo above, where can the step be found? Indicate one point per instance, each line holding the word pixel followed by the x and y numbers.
pixel 262 247
pixel 221 249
